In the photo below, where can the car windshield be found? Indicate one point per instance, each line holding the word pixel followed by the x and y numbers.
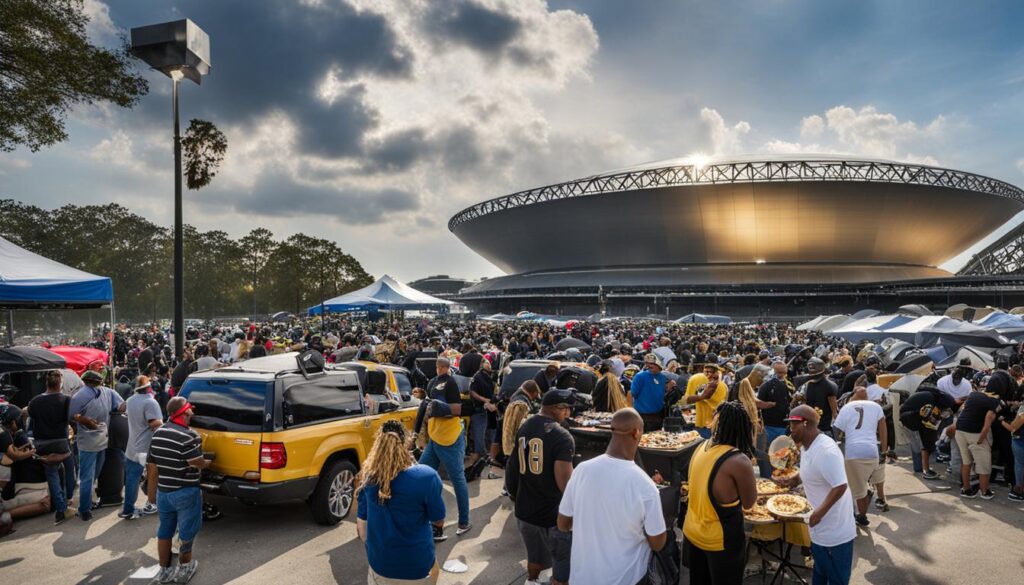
pixel 227 405
pixel 518 375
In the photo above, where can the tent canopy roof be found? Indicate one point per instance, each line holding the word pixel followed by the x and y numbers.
pixel 705 319
pixel 28 279
pixel 385 294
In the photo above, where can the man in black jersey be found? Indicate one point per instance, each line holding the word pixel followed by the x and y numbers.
pixel 537 473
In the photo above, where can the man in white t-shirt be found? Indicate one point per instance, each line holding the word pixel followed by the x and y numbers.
pixel 862 423
pixel 824 477
pixel 875 393
pixel 957 383
pixel 613 510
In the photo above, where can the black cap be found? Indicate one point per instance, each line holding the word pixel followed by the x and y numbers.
pixel 9 413
pixel 558 398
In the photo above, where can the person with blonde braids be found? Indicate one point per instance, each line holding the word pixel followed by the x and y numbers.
pixel 747 396
pixel 608 394
pixel 400 512
pixel 521 405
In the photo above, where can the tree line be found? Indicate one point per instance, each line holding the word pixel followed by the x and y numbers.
pixel 256 274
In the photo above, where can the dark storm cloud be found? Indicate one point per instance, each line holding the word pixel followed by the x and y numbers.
pixel 336 129
pixel 468 23
pixel 270 56
pixel 460 149
pixel 398 151
pixel 277 195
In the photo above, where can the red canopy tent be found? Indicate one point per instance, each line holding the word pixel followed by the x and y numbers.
pixel 79 358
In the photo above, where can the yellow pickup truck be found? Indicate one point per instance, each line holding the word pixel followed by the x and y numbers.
pixel 283 431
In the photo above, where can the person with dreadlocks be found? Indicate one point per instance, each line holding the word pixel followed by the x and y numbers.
pixel 400 511
pixel 720 483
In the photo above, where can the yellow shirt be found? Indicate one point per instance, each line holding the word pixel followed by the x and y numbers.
pixel 706 408
pixel 702 526
pixel 444 431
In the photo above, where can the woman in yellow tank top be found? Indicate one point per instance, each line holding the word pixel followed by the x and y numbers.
pixel 713 529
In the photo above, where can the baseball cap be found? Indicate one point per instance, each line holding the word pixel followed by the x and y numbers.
pixel 795 418
pixel 559 397
pixel 92 375
pixel 815 366
pixel 8 413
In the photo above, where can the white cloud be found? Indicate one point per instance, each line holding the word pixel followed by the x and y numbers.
pixel 866 132
pixel 11 163
pixel 1020 165
pixel 117 149
pixel 812 127
pixel 723 138
pixel 101 28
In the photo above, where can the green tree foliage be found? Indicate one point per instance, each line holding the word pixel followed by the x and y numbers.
pixel 304 270
pixel 204 147
pixel 221 274
pixel 48 65
pixel 257 246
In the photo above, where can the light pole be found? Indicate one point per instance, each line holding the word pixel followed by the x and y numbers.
pixel 179 50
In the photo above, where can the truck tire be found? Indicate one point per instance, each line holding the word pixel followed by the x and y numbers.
pixel 334 494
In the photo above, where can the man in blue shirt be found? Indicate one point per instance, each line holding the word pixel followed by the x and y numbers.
pixel 648 391
pixel 90 409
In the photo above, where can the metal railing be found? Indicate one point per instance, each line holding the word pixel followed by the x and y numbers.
pixel 746 172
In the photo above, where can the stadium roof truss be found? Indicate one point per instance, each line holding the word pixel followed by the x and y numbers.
pixel 748 172
pixel 1003 256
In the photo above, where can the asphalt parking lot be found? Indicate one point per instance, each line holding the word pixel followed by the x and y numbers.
pixel 930 536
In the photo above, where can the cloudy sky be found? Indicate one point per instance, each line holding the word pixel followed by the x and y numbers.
pixel 371 122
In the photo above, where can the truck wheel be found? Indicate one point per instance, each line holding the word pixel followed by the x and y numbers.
pixel 334 494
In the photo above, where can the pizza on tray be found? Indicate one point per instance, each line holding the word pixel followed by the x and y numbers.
pixel 758 514
pixel 767 487
pixel 670 441
pixel 787 505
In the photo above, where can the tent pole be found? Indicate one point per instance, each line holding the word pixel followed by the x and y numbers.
pixel 10 326
pixel 110 340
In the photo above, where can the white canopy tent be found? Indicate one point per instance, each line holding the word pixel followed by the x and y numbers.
pixel 386 294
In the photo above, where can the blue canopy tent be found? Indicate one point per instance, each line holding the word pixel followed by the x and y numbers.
pixel 387 294
pixel 31 281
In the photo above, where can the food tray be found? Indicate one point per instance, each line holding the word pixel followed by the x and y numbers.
pixel 767 487
pixel 802 516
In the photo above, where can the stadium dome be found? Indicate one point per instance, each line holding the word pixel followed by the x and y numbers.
pixel 750 221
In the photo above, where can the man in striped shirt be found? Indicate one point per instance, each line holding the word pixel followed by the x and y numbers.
pixel 176 453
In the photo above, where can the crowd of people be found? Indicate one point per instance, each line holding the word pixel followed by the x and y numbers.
pixel 746 385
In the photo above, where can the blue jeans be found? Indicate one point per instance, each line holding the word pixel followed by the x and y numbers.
pixel 180 510
pixel 1018 459
pixel 481 438
pixel 832 564
pixel 772 433
pixel 132 477
pixel 57 499
pixel 92 463
pixel 452 457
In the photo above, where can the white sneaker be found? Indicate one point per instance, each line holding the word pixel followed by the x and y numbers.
pixel 147 510
pixel 185 572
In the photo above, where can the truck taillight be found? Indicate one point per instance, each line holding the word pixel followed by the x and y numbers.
pixel 273 456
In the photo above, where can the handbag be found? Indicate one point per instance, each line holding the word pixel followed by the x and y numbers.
pixel 52 446
pixel 663 568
